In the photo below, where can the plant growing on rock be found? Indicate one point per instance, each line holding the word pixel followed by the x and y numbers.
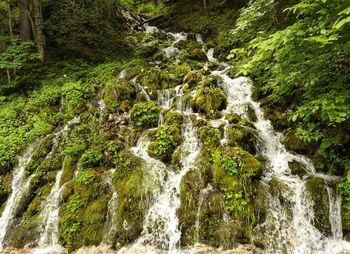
pixel 145 114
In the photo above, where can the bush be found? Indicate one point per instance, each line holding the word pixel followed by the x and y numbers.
pixel 145 114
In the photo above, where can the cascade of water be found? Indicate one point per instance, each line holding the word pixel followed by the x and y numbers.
pixel 19 188
pixel 296 234
pixel 142 89
pixel 172 50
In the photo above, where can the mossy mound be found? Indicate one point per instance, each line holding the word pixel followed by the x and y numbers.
pixel 167 139
pixel 316 188
pixel 145 114
pixel 210 136
pixel 173 118
pixel 209 100
pixel 243 136
pixel 82 218
pixel 128 182
pixel 118 93
pixel 291 142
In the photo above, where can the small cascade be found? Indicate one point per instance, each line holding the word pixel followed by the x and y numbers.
pixel 150 29
pixel 142 89
pixel 19 188
pixel 292 235
pixel 172 51
pixel 49 242
pixel 112 211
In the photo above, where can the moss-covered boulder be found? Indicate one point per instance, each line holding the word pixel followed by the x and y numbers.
pixel 173 118
pixel 243 136
pixel 317 191
pixel 209 100
pixel 167 139
pixel 293 143
pixel 190 188
pixel 191 79
pixel 118 92
pixel 145 114
pixel 209 135
pixel 132 199
pixel 5 188
pixel 296 168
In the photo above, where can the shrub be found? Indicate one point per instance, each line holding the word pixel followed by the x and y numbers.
pixel 145 114
pixel 91 158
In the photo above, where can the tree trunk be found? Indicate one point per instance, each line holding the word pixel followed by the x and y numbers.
pixel 10 17
pixel 25 31
pixel 38 28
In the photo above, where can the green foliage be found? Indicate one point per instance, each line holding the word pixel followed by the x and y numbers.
pixel 15 54
pixel 74 147
pixel 91 158
pixel 209 135
pixel 86 177
pixel 303 62
pixel 74 93
pixel 209 100
pixel 145 114
pixel 167 139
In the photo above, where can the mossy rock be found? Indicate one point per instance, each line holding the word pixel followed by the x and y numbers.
pixel 5 187
pixel 173 118
pixel 116 92
pixel 293 143
pixel 147 50
pixel 210 135
pixel 131 206
pixel 233 118
pixel 345 215
pixel 316 188
pixel 242 136
pixel 92 157
pixel 191 79
pixel 154 78
pixel 29 221
pixel 297 168
pixel 145 114
pixel 260 201
pixel 190 188
pixel 211 81
pixel 209 101
pixel 167 139
pixel 197 54
pixel 82 218
pixel 180 70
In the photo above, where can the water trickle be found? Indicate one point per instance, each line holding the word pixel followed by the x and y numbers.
pixel 112 212
pixel 202 195
pixel 172 51
pixel 142 89
pixel 19 188
pixel 295 234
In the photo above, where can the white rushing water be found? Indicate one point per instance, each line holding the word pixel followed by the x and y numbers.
pixel 19 188
pixel 172 51
pixel 296 234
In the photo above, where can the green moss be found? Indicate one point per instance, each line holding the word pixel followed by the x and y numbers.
pixel 180 70
pixel 74 147
pixel 173 118
pixel 145 114
pixel 318 194
pixel 291 142
pixel 117 92
pixel 190 188
pixel 191 79
pixel 209 100
pixel 167 139
pixel 242 136
pixel 210 136
pixel 91 158
pixel 5 188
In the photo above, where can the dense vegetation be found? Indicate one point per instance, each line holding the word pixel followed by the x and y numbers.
pixel 69 54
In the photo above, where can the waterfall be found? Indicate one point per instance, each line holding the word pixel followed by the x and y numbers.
pixel 295 234
pixel 172 50
pixel 19 188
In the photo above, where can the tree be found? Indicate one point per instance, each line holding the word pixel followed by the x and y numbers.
pixel 38 28
pixel 25 28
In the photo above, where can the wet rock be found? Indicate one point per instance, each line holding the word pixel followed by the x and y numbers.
pixel 297 168
pixel 291 142
pixel 318 193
